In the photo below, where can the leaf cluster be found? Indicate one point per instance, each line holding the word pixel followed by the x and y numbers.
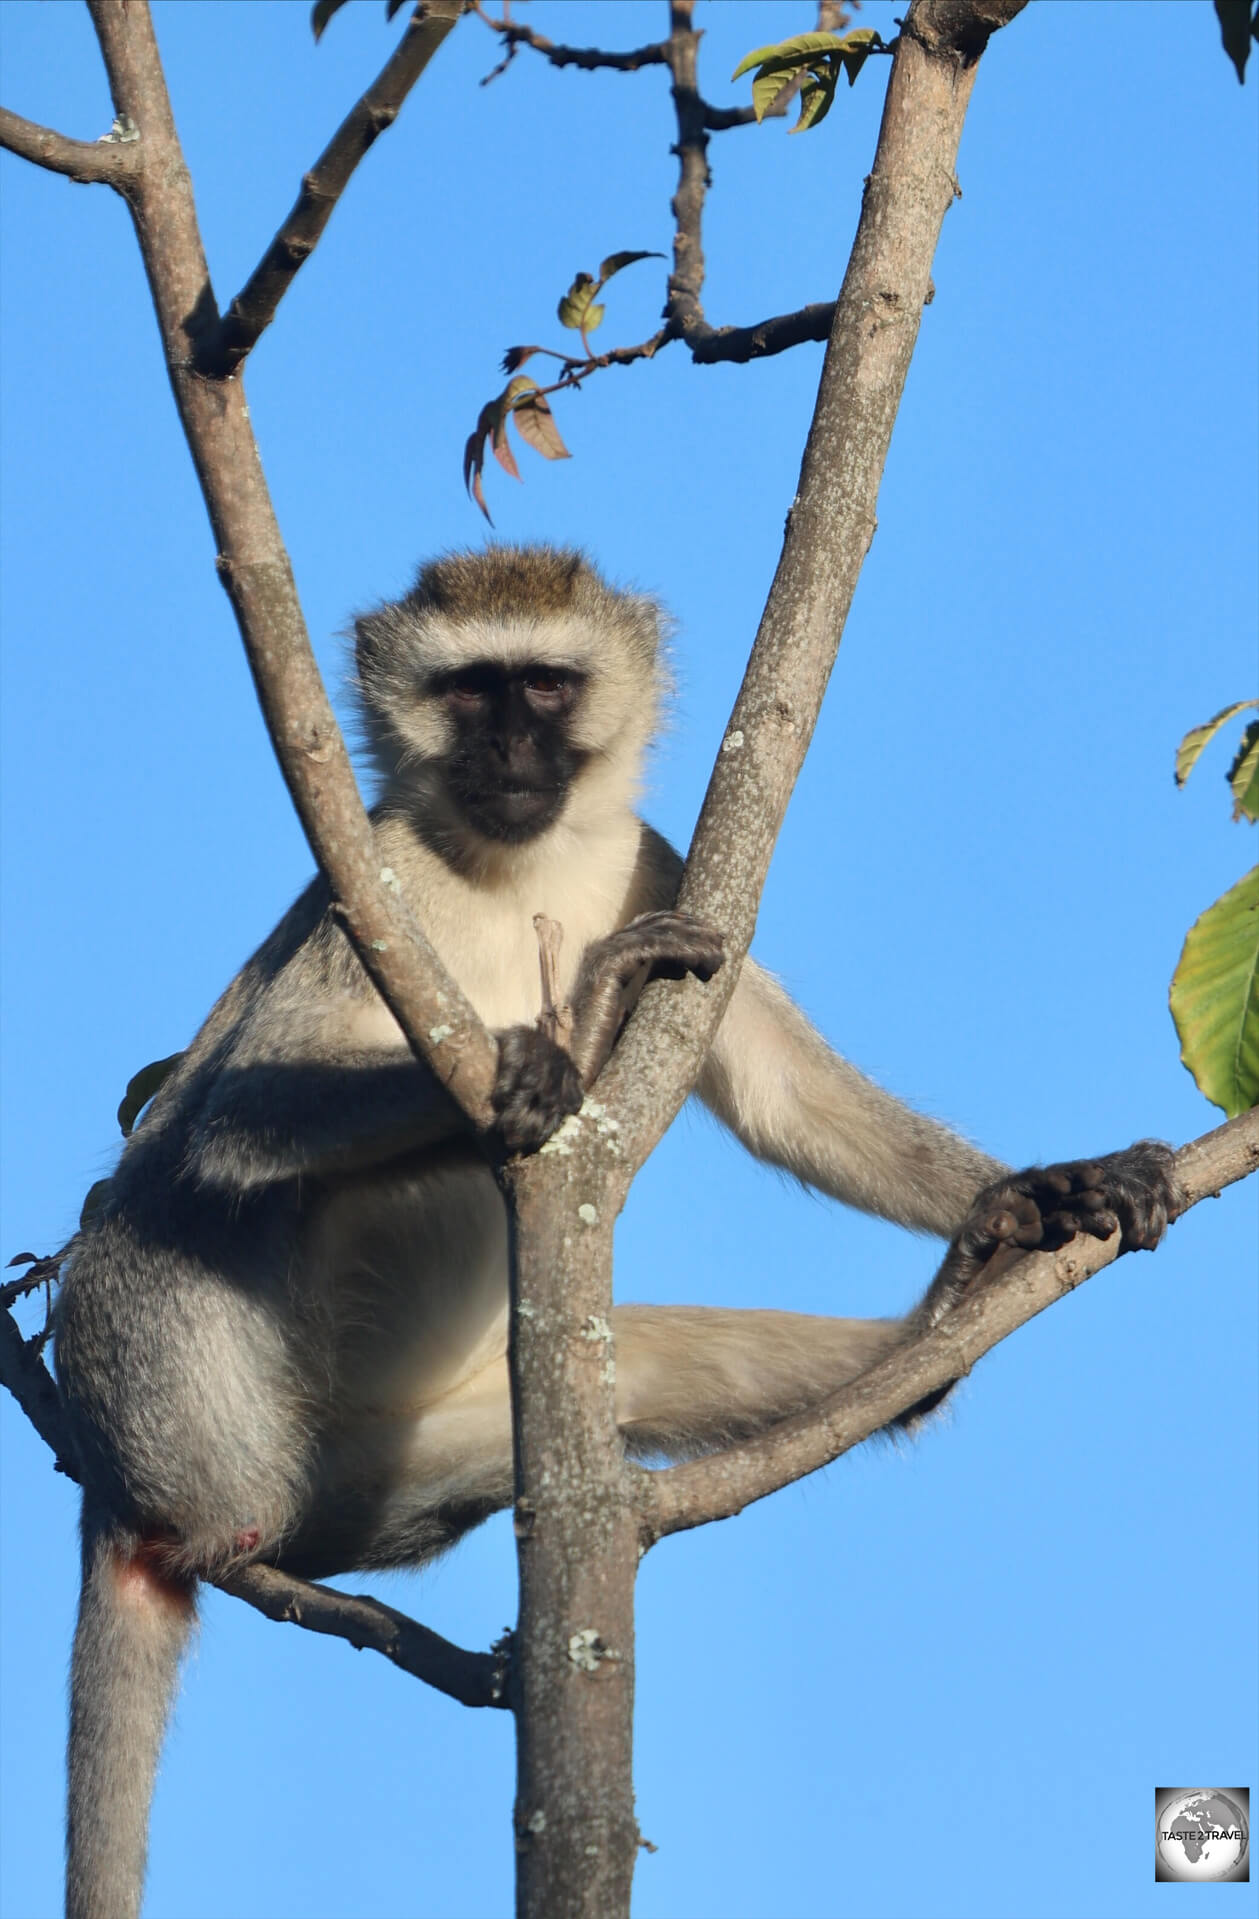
pixel 811 63
pixel 524 400
pixel 1215 988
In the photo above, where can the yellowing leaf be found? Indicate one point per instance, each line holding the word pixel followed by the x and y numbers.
pixel 1243 775
pixel 575 306
pixel 1215 998
pixel 1199 736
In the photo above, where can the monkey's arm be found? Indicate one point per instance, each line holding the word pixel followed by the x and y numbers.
pixel 780 1088
pixel 286 1100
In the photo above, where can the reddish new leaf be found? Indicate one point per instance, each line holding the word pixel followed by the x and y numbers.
pixel 535 421
pixel 516 356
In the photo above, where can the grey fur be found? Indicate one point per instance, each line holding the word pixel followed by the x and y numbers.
pixel 284 1336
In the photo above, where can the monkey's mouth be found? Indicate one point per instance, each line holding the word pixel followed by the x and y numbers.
pixel 513 812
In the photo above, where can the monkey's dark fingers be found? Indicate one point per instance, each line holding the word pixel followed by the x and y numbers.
pixel 672 944
pixel 537 1086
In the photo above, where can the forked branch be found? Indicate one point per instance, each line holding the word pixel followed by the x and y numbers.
pixel 254 566
pixel 108 160
pixel 829 530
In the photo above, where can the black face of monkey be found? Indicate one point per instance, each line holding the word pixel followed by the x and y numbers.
pixel 513 760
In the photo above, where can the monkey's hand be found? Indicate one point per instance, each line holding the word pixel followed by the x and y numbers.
pixel 536 1088
pixel 1133 1192
pixel 615 970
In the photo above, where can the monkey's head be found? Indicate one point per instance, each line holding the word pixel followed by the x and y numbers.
pixel 507 689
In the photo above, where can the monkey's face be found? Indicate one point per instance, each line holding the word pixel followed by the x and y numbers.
pixel 513 758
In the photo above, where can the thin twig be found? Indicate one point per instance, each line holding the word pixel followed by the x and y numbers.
pixel 109 161
pixel 829 530
pixel 254 307
pixel 23 1371
pixel 587 58
pixel 471 1678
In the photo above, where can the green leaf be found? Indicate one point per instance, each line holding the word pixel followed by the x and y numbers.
pixel 770 82
pixel 796 52
pixel 1236 31
pixel 1198 736
pixel 817 97
pixel 1243 775
pixel 141 1088
pixel 1215 998
pixel 575 307
pixel 615 261
pixel 96 1197
pixel 392 7
pixel 321 13
pixel 856 50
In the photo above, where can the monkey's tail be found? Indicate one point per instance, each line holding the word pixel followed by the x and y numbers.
pixel 134 1619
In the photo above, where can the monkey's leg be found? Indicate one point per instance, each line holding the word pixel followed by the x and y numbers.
pixel 690 1379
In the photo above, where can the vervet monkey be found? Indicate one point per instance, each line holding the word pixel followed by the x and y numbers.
pixel 284 1336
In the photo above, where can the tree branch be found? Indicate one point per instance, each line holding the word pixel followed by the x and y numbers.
pixel 435 1015
pixel 830 526
pixel 514 35
pixel 738 344
pixel 471 1678
pixel 254 307
pixel 24 1373
pixel 717 1488
pixel 109 161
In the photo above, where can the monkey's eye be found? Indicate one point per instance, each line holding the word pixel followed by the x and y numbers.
pixel 469 688
pixel 549 688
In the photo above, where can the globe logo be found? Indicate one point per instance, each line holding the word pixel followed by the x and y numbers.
pixel 1202 1834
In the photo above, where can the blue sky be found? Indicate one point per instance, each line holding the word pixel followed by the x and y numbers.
pixel 936 1681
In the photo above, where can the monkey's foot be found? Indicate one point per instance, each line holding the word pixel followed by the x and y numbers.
pixel 1133 1191
pixel 537 1087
